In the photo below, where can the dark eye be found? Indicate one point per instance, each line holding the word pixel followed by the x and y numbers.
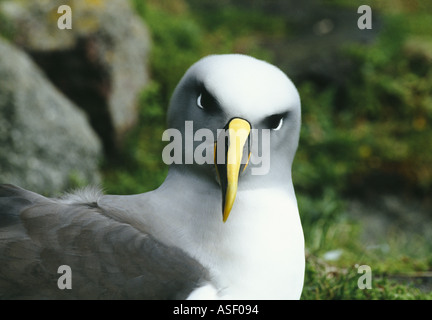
pixel 275 122
pixel 206 101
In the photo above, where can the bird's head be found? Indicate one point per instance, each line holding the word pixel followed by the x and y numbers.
pixel 239 119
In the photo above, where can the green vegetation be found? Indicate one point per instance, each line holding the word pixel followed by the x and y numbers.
pixel 375 127
pixel 6 28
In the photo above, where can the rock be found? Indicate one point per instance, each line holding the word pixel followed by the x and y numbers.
pixel 45 140
pixel 100 64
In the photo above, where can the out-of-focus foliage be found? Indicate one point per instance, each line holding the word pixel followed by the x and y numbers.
pixel 392 106
pixel 6 28
pixel 371 134
pixel 378 124
pixel 140 169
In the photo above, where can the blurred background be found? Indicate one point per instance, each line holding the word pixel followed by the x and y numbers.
pixel 88 105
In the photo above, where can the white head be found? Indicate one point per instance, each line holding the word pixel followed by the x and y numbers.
pixel 220 88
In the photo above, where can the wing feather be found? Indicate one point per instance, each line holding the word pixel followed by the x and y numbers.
pixel 109 259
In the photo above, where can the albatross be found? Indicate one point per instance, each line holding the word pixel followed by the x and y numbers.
pixel 223 229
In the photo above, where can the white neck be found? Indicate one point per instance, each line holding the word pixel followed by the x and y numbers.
pixel 258 253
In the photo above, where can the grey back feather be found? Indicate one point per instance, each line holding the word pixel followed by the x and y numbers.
pixel 108 259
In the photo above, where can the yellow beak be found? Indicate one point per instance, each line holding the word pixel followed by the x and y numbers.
pixel 228 171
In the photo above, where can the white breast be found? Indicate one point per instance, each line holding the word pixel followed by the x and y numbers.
pixel 259 252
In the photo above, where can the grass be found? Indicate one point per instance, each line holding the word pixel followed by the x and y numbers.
pixel 324 281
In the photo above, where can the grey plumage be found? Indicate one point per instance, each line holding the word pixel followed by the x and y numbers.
pixel 175 241
pixel 109 259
